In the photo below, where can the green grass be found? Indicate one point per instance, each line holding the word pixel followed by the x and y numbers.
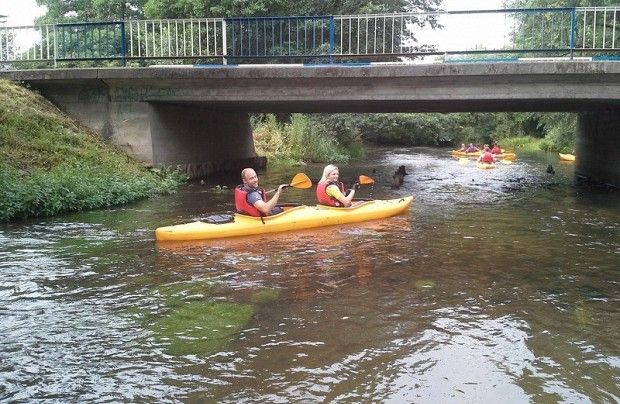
pixel 50 164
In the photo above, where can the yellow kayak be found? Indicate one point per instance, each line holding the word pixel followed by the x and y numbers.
pixel 485 166
pixel 293 218
pixel 465 154
pixel 501 156
pixel 567 157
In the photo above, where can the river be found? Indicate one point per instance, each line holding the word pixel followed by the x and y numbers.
pixel 497 285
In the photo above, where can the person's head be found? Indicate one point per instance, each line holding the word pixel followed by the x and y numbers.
pixel 249 177
pixel 330 173
pixel 471 145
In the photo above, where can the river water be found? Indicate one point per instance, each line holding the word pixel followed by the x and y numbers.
pixel 497 285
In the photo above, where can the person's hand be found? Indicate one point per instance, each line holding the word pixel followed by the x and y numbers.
pixel 281 187
pixel 356 186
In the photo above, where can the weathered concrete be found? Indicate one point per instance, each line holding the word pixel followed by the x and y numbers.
pixel 201 141
pixel 124 104
pixel 598 147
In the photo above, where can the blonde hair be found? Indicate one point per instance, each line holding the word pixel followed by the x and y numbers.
pixel 328 170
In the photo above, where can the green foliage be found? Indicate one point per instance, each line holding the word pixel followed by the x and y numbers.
pixel 236 8
pixel 297 140
pixel 49 164
pixel 90 10
pixel 390 129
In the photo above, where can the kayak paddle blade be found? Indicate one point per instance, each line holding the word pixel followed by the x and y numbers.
pixel 365 180
pixel 301 181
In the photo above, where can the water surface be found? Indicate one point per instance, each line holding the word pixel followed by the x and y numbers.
pixel 497 285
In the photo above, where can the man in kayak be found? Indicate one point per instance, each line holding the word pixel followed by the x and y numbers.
pixel 486 156
pixel 496 149
pixel 251 200
pixel 331 192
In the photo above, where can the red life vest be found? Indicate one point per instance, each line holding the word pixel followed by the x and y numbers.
pixel 496 150
pixel 321 193
pixel 241 201
pixel 487 157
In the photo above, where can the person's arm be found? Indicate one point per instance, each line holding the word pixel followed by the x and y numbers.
pixel 266 207
pixel 344 200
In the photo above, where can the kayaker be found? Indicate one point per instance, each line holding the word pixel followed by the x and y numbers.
pixel 471 148
pixel 496 149
pixel 331 192
pixel 486 156
pixel 463 147
pixel 251 200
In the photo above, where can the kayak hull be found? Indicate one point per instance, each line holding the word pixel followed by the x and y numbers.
pixel 501 156
pixel 567 157
pixel 485 166
pixel 293 218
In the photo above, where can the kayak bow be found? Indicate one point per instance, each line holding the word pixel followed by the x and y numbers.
pixel 293 218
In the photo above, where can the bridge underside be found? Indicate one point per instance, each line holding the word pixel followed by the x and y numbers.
pixel 198 117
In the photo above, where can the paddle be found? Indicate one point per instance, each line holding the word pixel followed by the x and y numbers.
pixel 365 180
pixel 463 161
pixel 300 180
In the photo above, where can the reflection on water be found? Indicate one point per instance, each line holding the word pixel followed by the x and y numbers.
pixel 496 284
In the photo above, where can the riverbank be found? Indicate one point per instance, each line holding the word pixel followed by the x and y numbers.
pixel 50 164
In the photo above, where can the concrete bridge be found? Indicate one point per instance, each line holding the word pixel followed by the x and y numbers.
pixel 197 117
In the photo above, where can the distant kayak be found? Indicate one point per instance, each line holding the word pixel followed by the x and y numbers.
pixel 501 156
pixel 464 154
pixel 567 157
pixel 485 166
pixel 293 218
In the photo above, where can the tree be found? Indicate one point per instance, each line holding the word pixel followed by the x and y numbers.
pixel 256 8
pixel 59 11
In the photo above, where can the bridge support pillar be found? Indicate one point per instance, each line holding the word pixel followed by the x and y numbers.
pixel 201 141
pixel 598 147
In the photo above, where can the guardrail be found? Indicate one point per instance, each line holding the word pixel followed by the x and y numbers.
pixel 549 32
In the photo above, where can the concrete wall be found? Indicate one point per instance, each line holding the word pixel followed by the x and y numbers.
pixel 598 147
pixel 201 141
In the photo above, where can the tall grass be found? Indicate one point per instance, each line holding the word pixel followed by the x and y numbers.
pixel 49 164
pixel 299 140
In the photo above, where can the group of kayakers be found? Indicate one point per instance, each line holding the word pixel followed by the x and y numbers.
pixel 252 200
pixel 473 148
pixel 487 154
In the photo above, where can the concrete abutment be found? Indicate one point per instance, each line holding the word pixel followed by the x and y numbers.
pixel 598 147
pixel 197 140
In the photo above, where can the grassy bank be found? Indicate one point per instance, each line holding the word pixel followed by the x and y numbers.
pixel 301 139
pixel 50 164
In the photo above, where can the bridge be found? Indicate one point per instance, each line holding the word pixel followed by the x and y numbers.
pixel 196 116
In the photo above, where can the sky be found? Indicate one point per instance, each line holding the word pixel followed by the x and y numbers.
pixel 20 12
pixel 23 12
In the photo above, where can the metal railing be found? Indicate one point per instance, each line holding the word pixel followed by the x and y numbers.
pixel 322 39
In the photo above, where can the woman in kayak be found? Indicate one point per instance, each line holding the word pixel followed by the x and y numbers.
pixel 471 148
pixel 496 149
pixel 331 192
pixel 250 200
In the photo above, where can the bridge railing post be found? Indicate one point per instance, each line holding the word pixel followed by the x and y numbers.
pixel 123 45
pixel 332 39
pixel 573 32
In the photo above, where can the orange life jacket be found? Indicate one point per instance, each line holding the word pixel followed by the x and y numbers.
pixel 241 201
pixel 321 193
